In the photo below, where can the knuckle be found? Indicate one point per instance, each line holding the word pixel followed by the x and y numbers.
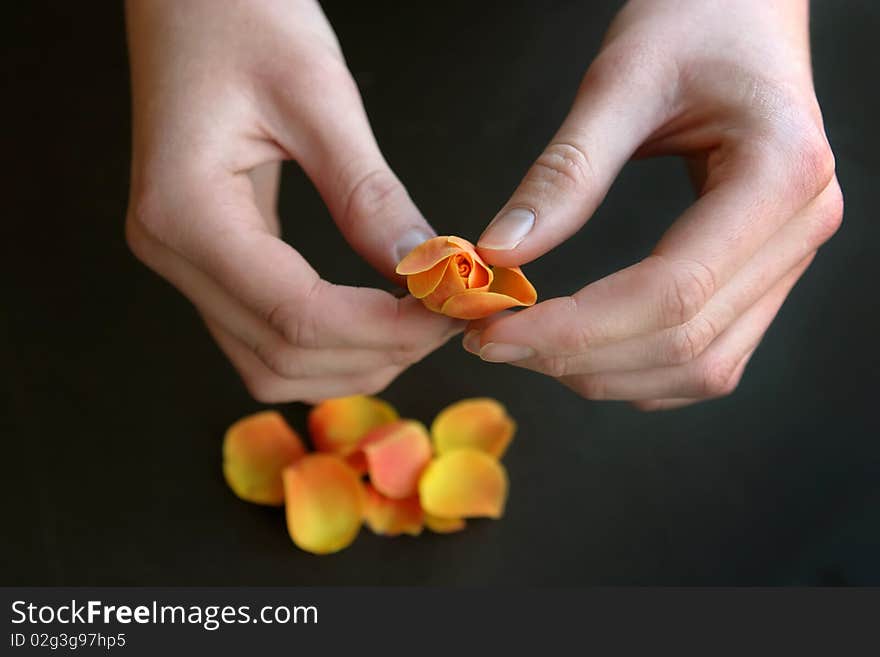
pixel 717 377
pixel 562 167
pixel 554 366
pixel 690 285
pixel 375 383
pixel 371 195
pixel 263 389
pixel 295 319
pixel 816 161
pixel 142 221
pixel 829 216
pixel 278 359
pixel 689 340
pixel 405 356
pixel 592 387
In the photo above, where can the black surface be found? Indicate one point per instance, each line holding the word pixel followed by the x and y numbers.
pixel 117 399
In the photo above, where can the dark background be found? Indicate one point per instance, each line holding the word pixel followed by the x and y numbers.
pixel 117 398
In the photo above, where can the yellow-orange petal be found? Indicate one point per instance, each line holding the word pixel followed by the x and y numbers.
pixel 512 282
pixel 450 285
pixel 476 304
pixel 427 254
pixel 324 503
pixel 423 283
pixel 388 517
pixel 464 483
pixel 337 425
pixel 255 451
pixel 396 461
pixel 443 525
pixel 481 423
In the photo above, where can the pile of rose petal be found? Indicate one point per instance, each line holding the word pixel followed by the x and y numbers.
pixel 372 467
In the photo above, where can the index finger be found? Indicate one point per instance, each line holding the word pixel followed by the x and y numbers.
pixel 703 249
pixel 224 235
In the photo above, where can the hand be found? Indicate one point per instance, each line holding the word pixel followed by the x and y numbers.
pixel 728 86
pixel 222 92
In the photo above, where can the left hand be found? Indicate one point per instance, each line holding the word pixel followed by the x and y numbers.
pixel 731 91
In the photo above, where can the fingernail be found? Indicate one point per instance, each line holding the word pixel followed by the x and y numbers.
pixel 496 352
pixel 408 241
pixel 471 342
pixel 507 230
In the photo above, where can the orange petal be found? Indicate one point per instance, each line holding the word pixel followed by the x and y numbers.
pixel 337 425
pixel 476 304
pixel 427 254
pixel 255 451
pixel 325 503
pixel 396 461
pixel 481 423
pixel 388 517
pixel 464 483
pixel 480 276
pixel 450 285
pixel 467 247
pixel 443 525
pixel 422 284
pixel 357 459
pixel 512 282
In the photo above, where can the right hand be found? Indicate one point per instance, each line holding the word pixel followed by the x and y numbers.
pixel 222 92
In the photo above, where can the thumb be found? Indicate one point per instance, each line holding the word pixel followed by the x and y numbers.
pixel 366 199
pixel 613 113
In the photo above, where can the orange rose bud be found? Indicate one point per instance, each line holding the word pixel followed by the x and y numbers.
pixel 388 517
pixel 324 503
pixel 395 460
pixel 443 525
pixel 464 483
pixel 255 451
pixel 337 425
pixel 450 277
pixel 481 423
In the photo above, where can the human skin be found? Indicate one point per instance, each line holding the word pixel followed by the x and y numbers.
pixel 727 85
pixel 222 92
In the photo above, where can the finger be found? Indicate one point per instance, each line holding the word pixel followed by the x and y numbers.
pixel 367 201
pixel 789 246
pixel 224 236
pixel 713 374
pixel 270 347
pixel 616 109
pixel 268 387
pixel 682 402
pixel 671 287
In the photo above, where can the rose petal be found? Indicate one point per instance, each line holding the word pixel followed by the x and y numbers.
pixel 422 284
pixel 427 254
pixel 450 285
pixel 255 451
pixel 388 517
pixel 476 304
pixel 481 423
pixel 464 483
pixel 357 459
pixel 337 425
pixel 512 282
pixel 480 277
pixel 467 247
pixel 325 503
pixel 443 525
pixel 396 461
